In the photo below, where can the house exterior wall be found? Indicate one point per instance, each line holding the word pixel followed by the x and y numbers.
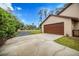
pixel 67 24
pixel 72 11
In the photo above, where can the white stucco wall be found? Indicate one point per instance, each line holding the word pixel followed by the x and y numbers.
pixel 72 11
pixel 67 24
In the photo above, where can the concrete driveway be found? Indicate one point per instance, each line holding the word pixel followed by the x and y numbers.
pixel 36 45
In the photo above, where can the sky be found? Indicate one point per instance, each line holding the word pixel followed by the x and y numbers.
pixel 28 12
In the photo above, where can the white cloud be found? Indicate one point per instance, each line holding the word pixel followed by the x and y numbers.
pixel 6 6
pixel 19 8
pixel 10 6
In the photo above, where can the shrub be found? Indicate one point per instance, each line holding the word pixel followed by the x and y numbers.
pixel 8 25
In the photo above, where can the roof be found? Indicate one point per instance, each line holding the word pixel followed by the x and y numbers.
pixel 73 18
pixel 61 15
pixel 69 4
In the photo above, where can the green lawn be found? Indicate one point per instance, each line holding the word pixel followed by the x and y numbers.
pixel 34 31
pixel 74 44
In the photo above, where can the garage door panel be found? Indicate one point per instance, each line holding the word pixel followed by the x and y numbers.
pixel 57 28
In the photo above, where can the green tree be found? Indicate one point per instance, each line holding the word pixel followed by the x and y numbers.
pixel 8 25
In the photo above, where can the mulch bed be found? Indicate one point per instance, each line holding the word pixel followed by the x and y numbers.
pixel 2 42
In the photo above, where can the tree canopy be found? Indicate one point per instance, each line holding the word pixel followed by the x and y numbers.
pixel 8 24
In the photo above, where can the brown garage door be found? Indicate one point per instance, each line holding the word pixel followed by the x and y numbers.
pixel 57 28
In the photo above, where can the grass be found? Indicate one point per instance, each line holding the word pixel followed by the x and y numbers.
pixel 34 31
pixel 66 41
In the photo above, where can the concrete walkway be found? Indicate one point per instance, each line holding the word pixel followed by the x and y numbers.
pixel 36 45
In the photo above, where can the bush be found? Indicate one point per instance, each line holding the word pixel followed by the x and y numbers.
pixel 8 25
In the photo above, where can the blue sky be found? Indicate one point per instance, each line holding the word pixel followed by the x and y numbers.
pixel 28 12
